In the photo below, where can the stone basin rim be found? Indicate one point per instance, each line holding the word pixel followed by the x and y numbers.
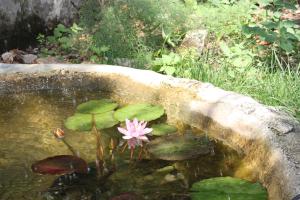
pixel 268 137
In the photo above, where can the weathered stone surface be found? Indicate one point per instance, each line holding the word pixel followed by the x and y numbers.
pixel 269 139
pixel 21 21
pixel 8 57
pixel 195 40
pixel 17 56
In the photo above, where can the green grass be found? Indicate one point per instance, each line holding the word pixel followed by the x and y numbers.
pixel 278 88
pixel 272 83
pixel 225 20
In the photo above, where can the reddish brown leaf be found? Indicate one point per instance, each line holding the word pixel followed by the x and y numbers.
pixel 62 164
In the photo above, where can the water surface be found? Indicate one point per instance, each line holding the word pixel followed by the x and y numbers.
pixel 26 122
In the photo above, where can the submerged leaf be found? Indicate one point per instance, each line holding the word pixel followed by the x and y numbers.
pixel 97 106
pixel 143 112
pixel 223 188
pixel 83 122
pixel 163 129
pixel 62 164
pixel 179 147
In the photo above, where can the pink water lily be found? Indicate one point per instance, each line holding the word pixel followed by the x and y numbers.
pixel 135 133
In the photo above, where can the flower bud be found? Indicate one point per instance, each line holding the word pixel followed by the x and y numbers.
pixel 59 133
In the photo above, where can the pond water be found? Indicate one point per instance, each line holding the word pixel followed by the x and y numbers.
pixel 26 124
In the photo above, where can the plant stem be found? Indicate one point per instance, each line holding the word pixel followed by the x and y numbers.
pixel 99 149
pixel 124 147
pixel 131 152
pixel 140 153
pixel 70 147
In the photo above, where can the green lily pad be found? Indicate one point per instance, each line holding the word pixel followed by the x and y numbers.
pixel 83 122
pixel 175 147
pixel 80 122
pixel 224 188
pixel 97 106
pixel 163 129
pixel 143 112
pixel 105 120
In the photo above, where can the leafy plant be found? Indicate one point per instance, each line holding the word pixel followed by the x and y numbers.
pixel 238 55
pixel 167 63
pixel 41 38
pixel 274 31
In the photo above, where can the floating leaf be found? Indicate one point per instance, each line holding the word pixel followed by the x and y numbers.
pixel 97 106
pixel 62 164
pixel 163 129
pixel 143 112
pixel 179 147
pixel 83 122
pixel 80 122
pixel 223 188
pixel 105 120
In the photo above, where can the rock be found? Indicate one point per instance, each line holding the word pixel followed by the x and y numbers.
pixel 21 21
pixel 8 57
pixel 194 39
pixel 273 159
pixel 29 59
pixel 18 56
pixel 124 62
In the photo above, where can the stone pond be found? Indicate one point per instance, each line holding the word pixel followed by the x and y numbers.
pixel 268 138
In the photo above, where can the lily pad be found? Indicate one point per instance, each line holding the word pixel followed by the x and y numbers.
pixel 97 106
pixel 143 112
pixel 79 122
pixel 163 129
pixel 62 164
pixel 224 188
pixel 179 147
pixel 83 122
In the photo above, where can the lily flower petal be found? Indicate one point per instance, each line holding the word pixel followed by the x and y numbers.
pixel 135 132
pixel 122 130
pixel 127 137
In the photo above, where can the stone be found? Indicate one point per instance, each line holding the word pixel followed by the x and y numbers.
pixel 8 57
pixel 268 140
pixel 18 56
pixel 194 40
pixel 124 62
pixel 21 21
pixel 29 59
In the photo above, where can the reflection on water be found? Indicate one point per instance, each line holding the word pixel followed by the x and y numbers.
pixel 26 122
